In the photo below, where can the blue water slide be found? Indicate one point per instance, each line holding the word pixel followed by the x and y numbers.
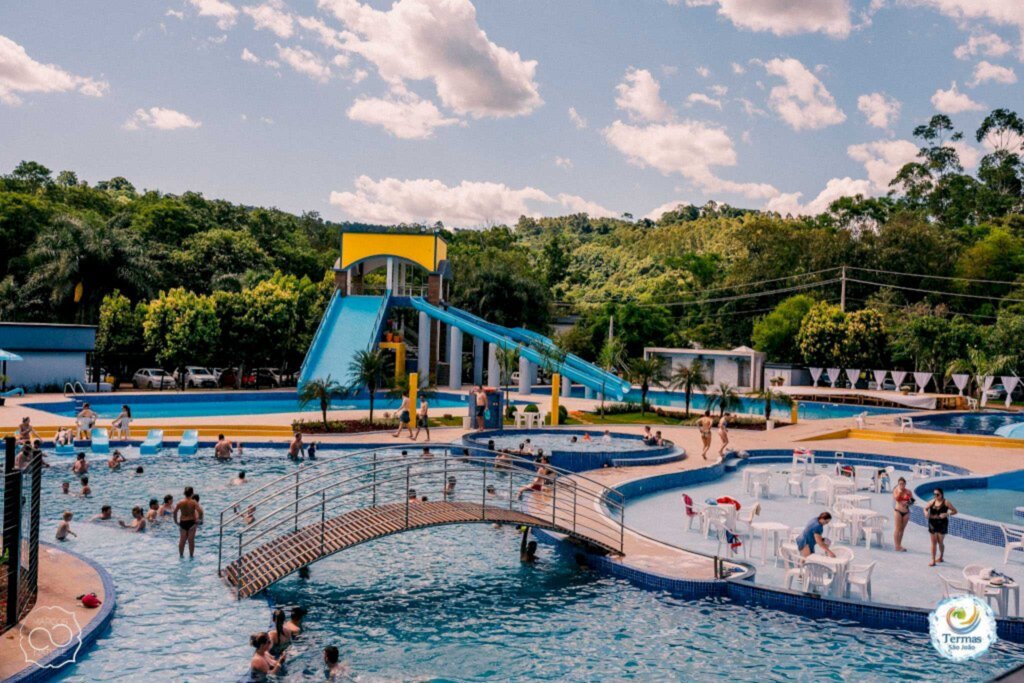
pixel 613 384
pixel 351 324
pixel 496 334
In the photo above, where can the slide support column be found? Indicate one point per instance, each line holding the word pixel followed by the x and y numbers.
pixel 455 358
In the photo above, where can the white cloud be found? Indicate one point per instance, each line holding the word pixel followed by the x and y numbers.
pixel 883 159
pixel 969 155
pixel 576 119
pixel 986 72
pixel 403 115
pixel 1005 12
pixel 669 70
pixel 879 109
pixel 953 101
pixel 785 17
pixel 326 35
pixel 304 62
pixel 440 40
pixel 738 69
pixel 248 56
pixel 789 203
pixel 468 204
pixel 563 162
pixel 224 12
pixel 719 90
pixel 689 148
pixel 750 108
pixel 160 118
pixel 640 95
pixel 19 73
pixel 803 102
pixel 987 44
pixel 701 98
pixel 274 16
pixel 703 71
pixel 655 213
pixel 174 13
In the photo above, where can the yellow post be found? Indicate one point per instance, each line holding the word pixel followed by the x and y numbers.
pixel 414 385
pixel 399 349
pixel 795 412
pixel 556 381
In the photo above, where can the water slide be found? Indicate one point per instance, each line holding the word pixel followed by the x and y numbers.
pixel 540 342
pixel 351 324
pixel 576 370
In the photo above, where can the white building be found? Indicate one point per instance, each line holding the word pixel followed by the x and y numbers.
pixel 742 367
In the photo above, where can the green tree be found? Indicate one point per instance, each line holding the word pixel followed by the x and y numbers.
pixel 724 397
pixel 321 391
pixel 770 396
pixel 645 372
pixel 822 336
pixel 609 358
pixel 776 333
pixel 366 370
pixel 181 328
pixel 980 364
pixel 864 339
pixel 218 259
pixel 119 332
pixel 688 379
pixel 508 363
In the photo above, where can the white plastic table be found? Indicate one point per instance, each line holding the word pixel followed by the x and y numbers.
pixel 855 499
pixel 805 458
pixel 748 472
pixel 838 567
pixel 838 486
pixel 777 530
pixel 856 517
pixel 978 585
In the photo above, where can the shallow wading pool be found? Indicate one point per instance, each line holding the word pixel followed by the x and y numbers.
pixel 447 603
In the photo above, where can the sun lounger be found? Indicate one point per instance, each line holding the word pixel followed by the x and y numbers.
pixel 153 443
pixel 189 443
pixel 100 440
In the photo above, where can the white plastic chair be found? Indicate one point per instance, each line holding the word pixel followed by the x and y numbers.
pixel 859 575
pixel 694 512
pixel 1013 539
pixel 864 477
pixel 817 576
pixel 954 586
pixel 974 574
pixel 795 482
pixel 748 518
pixel 520 417
pixel 723 541
pixel 818 485
pixel 874 526
pixel 906 424
pixel 792 563
pixel 761 484
pixel 840 527
pixel 858 420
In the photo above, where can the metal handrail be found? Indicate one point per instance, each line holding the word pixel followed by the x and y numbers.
pixel 342 477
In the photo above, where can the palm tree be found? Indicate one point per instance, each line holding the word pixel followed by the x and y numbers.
pixel 609 357
pixel 645 372
pixel 725 397
pixel 322 391
pixel 688 378
pixel 770 396
pixel 366 370
pixel 508 362
pixel 980 364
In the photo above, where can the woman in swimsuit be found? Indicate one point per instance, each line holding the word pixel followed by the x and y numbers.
pixel 138 523
pixel 938 512
pixel 263 663
pixel 186 513
pixel 902 500
pixel 723 433
pixel 704 425
pixel 280 638
pixel 121 423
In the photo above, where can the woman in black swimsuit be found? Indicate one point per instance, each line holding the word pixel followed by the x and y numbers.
pixel 938 511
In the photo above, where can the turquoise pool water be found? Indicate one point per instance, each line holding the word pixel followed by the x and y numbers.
pixel 443 604
pixel 988 503
pixel 985 423
pixel 201 404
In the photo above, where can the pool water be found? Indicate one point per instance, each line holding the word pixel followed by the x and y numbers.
pixel 563 442
pixel 988 503
pixel 967 423
pixel 201 404
pixel 451 603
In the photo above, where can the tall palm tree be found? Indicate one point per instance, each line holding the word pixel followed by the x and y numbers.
pixel 365 370
pixel 645 372
pixel 769 395
pixel 322 391
pixel 725 397
pixel 609 357
pixel 979 365
pixel 688 379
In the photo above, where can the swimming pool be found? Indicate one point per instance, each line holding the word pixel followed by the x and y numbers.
pixel 807 410
pixel 554 441
pixel 989 503
pixel 201 404
pixel 985 423
pixel 449 603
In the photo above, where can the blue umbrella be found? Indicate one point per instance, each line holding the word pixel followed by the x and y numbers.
pixel 4 357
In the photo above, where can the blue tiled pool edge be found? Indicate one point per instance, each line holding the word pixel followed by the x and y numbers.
pixel 971 527
pixel 743 589
pixel 581 461
pixel 53 663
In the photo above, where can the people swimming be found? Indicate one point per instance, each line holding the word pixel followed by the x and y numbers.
pixel 64 526
pixel 153 513
pixel 86 489
pixel 167 507
pixel 335 669
pixel 81 465
pixel 106 515
pixel 296 450
pixel 294 624
pixel 263 664
pixel 138 523
pixel 280 638
pixel 115 460
pixel 222 449
pixel 240 480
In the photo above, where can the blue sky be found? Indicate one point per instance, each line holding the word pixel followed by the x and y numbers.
pixel 460 111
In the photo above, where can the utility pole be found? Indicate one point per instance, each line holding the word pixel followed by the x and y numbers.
pixel 842 291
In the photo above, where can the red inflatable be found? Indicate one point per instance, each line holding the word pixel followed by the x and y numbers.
pixel 726 500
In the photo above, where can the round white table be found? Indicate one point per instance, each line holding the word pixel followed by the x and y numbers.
pixel 856 517
pixel 979 585
pixel 857 500
pixel 838 567
pixel 749 472
pixel 777 530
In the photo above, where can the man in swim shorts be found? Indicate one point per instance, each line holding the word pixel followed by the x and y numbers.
pixel 481 406
pixel 186 514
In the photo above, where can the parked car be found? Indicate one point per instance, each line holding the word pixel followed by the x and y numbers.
pixel 152 378
pixel 273 373
pixel 228 377
pixel 261 377
pixel 198 376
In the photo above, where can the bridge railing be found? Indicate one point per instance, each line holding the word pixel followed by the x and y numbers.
pixel 479 481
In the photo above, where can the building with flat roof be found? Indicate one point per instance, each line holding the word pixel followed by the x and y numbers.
pixel 742 367
pixel 52 354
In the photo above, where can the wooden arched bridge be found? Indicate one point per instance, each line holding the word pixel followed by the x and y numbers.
pixel 332 504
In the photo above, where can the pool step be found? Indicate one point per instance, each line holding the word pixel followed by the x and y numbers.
pixel 674 456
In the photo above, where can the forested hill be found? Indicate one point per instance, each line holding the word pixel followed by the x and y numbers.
pixel 937 264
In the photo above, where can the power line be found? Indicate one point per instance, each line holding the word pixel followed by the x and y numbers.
pixel 933 277
pixel 932 291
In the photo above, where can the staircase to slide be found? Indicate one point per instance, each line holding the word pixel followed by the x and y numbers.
pixel 351 324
